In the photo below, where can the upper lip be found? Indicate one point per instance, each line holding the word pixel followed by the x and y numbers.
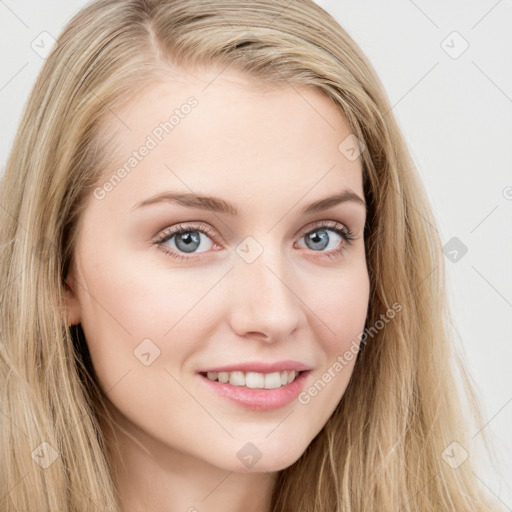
pixel 260 367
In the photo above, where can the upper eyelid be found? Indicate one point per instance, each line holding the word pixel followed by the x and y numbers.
pixel 204 227
pixel 168 233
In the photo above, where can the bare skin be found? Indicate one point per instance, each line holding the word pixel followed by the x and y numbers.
pixel 270 154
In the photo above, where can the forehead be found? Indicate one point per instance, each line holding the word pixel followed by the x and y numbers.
pixel 239 134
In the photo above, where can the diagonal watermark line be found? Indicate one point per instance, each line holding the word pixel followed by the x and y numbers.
pixel 85 414
pixel 9 213
pixel 218 12
pixel 493 287
pixel 20 429
pixel 97 507
pixel 425 278
pixel 290 84
pixel 222 481
pixel 10 282
pixel 14 76
pixel 399 440
pixel 487 423
pixel 217 216
pixel 11 370
pixel 279 14
pixel 216 487
pixel 492 491
pixel 283 78
pixel 393 448
pixel 300 198
pixel 205 409
pixel 410 205
pixel 332 332
pixel 9 491
pixel 95 95
pixel 415 85
pixel 278 72
pixel 106 393
pixel 424 14
pixel 13 13
pixel 484 218
pixel 485 15
pixel 492 81
pixel 279 423
pixel 119 380
pixel 215 77
pixel 199 301
pixel 426 485
pixel 102 307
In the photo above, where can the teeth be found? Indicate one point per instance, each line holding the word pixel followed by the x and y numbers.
pixel 223 377
pixel 255 379
pixel 237 379
pixel 272 380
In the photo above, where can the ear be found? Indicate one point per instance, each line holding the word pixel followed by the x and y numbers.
pixel 73 310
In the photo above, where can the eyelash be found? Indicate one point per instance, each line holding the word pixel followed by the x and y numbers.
pixel 346 234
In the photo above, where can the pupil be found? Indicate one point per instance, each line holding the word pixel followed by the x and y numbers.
pixel 188 240
pixel 317 238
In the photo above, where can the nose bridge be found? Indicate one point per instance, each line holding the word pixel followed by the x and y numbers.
pixel 263 298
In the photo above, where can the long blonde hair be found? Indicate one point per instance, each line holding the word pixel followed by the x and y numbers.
pixel 382 448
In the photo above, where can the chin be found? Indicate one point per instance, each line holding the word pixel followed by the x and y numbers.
pixel 271 460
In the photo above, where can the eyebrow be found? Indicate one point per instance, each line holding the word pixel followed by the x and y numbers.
pixel 218 205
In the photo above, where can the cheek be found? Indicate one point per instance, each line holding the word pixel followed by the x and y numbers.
pixel 132 293
pixel 341 305
pixel 140 329
pixel 132 308
pixel 131 301
pixel 339 313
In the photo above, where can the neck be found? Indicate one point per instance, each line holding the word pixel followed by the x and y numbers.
pixel 150 475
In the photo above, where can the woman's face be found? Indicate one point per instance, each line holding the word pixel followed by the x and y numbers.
pixel 269 288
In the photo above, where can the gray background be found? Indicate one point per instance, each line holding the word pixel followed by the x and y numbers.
pixel 455 109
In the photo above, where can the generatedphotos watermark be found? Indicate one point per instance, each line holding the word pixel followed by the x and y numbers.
pixel 343 360
pixel 152 140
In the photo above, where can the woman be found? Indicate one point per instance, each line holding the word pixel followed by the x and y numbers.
pixel 223 285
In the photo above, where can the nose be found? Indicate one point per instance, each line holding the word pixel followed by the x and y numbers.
pixel 263 303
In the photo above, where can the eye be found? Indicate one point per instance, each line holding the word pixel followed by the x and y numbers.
pixel 317 238
pixel 186 239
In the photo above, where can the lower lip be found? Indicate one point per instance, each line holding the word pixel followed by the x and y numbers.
pixel 259 399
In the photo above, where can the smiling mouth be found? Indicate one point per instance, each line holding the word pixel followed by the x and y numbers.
pixel 255 380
